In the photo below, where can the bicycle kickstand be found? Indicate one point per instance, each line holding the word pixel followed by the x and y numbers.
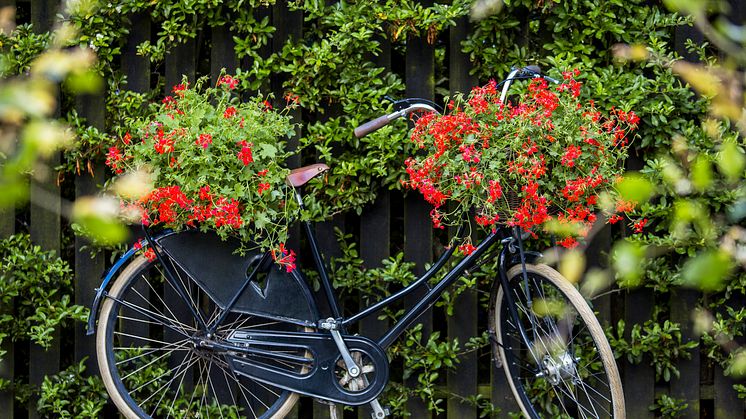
pixel 379 412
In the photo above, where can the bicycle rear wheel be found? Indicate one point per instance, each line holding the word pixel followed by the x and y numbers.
pixel 568 368
pixel 153 364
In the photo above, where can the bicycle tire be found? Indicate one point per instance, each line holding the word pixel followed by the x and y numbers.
pixel 559 374
pixel 117 336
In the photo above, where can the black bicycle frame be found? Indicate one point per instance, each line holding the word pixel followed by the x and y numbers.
pixel 504 236
pixel 433 293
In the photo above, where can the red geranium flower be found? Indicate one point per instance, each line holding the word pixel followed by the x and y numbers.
pixel 228 81
pixel 204 140
pixel 245 154
pixel 230 112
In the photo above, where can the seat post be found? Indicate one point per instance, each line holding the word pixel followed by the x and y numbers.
pixel 298 197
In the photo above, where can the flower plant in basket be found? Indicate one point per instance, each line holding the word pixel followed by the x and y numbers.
pixel 215 163
pixel 543 156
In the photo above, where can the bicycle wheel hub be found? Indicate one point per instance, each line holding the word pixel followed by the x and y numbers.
pixel 555 369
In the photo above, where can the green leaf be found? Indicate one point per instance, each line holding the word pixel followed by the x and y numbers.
pixel 635 188
pixel 731 161
pixel 701 172
pixel 627 259
pixel 267 151
pixel 707 271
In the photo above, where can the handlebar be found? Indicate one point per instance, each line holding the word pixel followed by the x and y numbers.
pixel 384 120
pixel 527 72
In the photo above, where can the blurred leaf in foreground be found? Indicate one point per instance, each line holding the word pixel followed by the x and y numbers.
pixel 98 218
pixel 635 188
pixel 708 270
pixel 628 260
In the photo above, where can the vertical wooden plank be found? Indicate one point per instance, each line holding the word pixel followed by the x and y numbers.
pixel 88 267
pixel 727 403
pixel 375 235
pixel 329 249
pixel 137 70
pixel 45 228
pixel 375 231
pixel 222 54
pixel 686 387
pixel 500 394
pixel 638 380
pixel 181 61
pixel 7 370
pixel 463 324
pixel 289 26
pixel 137 67
pixel 418 233
pixel 7 228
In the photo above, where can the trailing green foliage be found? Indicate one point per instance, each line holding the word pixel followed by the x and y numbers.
pixel 35 299
pixel 72 393
pixel 660 343
pixel 44 282
pixel 666 406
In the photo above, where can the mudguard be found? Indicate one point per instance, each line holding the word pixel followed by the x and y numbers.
pixel 215 267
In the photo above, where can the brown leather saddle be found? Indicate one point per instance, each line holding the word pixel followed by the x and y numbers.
pixel 300 176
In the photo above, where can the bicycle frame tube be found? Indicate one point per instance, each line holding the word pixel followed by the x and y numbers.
pixel 429 299
pixel 325 282
pixel 408 289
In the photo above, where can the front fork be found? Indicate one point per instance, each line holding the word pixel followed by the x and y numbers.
pixel 507 258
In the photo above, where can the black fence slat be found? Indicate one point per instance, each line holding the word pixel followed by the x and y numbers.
pixel 45 223
pixel 727 403
pixel 222 54
pixel 639 379
pixel 180 62
pixel 137 67
pixel 683 303
pixel 418 234
pixel 88 265
pixel 7 365
pixel 500 394
pixel 462 380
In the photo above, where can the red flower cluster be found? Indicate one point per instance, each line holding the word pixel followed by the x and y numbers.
pixel 204 140
pixel 228 81
pixel 245 154
pixel 284 257
pixel 230 112
pixel 546 156
pixel 113 157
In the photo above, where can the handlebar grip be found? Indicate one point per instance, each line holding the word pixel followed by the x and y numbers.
pixel 533 68
pixel 371 126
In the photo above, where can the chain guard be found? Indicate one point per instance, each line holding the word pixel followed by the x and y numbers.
pixel 318 379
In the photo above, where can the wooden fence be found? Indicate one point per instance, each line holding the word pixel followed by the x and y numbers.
pixel 706 390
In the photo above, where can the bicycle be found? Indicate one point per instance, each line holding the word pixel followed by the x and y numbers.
pixel 201 329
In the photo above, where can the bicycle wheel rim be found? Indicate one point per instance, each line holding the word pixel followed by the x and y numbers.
pixel 597 392
pixel 216 391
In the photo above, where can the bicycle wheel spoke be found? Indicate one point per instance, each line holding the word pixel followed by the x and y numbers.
pixel 561 369
pixel 180 372
pixel 171 347
pixel 156 368
pixel 153 316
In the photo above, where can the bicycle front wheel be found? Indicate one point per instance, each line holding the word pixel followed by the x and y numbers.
pixel 153 363
pixel 567 368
